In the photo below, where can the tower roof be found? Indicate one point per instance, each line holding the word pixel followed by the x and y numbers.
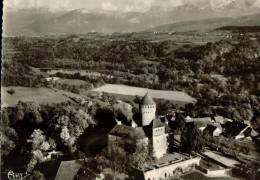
pixel 147 100
pixel 157 123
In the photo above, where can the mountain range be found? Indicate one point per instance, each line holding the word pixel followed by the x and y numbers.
pixel 207 13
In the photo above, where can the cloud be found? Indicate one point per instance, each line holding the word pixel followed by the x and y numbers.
pixel 134 21
pixel 109 6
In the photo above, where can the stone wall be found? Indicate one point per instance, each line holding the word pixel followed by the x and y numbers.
pixel 169 170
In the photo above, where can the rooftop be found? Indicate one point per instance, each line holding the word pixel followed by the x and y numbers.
pixel 147 100
pixel 234 128
pixel 157 123
pixel 128 132
pixel 221 159
pixel 166 160
pixel 68 169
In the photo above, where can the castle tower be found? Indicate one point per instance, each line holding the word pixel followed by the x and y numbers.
pixel 147 109
pixel 159 139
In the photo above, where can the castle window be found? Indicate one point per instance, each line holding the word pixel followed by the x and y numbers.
pixel 165 175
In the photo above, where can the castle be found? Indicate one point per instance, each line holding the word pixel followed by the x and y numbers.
pixel 150 130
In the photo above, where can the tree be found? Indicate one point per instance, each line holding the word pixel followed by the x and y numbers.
pixel 70 123
pixel 141 157
pixel 255 121
pixel 38 140
pixel 137 99
pixel 29 111
pixel 40 145
pixel 5 121
pixel 171 142
pixel 67 139
pixel 8 139
pixel 191 139
pixel 123 111
pixel 75 89
pixel 179 123
pixel 119 158
pixel 11 91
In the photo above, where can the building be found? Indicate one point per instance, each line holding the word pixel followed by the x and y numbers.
pixel 150 130
pixel 167 167
pixel 213 130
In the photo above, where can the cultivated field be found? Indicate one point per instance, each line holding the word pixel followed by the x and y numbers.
pixel 175 96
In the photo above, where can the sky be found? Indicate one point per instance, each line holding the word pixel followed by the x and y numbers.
pixel 112 5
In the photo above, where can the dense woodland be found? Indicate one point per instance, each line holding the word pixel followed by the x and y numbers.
pixel 223 76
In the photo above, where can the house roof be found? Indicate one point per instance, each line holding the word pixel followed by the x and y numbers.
pixel 204 119
pixel 68 169
pixel 254 133
pixel 147 100
pixel 128 132
pixel 220 119
pixel 200 124
pixel 157 123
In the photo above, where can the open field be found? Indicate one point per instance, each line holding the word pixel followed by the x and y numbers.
pixel 25 94
pixel 176 96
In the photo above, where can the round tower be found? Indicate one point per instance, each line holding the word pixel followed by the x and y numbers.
pixel 147 109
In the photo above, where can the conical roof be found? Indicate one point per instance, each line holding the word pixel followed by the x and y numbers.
pixel 157 123
pixel 147 100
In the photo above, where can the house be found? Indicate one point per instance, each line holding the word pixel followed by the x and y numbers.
pixel 52 79
pixel 201 125
pixel 207 120
pixel 254 133
pixel 220 119
pixel 150 131
pixel 213 130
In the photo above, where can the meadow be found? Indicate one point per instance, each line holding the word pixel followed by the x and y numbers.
pixel 28 94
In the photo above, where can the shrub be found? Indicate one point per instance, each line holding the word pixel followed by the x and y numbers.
pixel 11 91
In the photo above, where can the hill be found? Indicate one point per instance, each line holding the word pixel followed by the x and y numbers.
pixel 210 24
pixel 240 28
pixel 207 24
